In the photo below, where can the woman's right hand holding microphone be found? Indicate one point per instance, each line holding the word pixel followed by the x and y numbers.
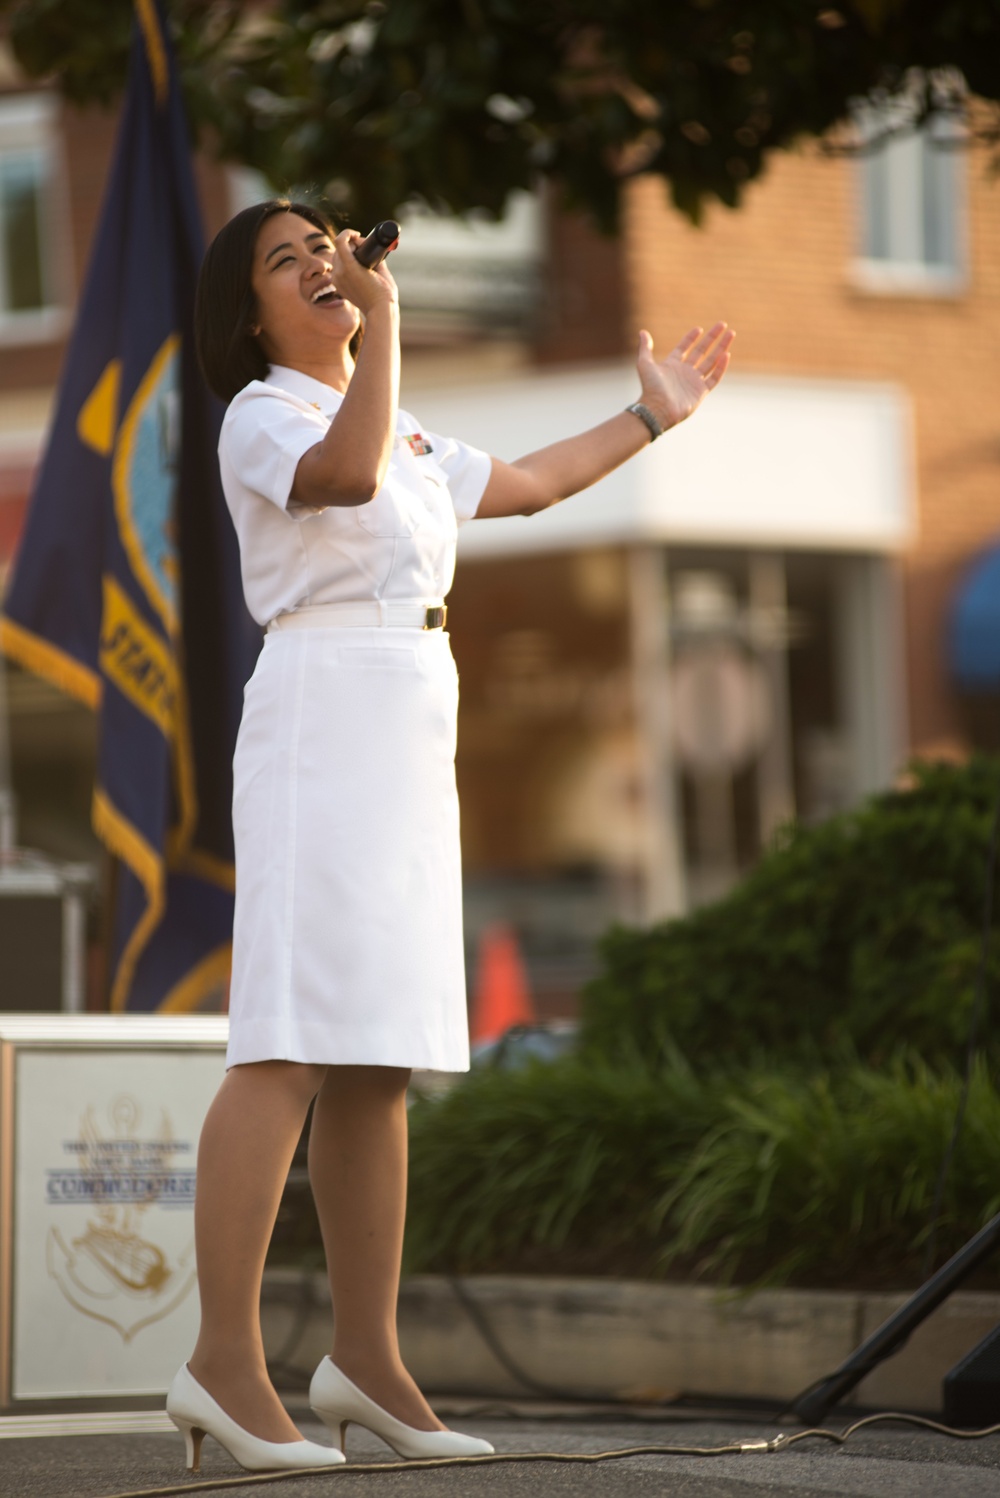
pixel 367 289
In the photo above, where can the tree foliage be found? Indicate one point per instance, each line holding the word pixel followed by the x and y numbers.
pixel 462 101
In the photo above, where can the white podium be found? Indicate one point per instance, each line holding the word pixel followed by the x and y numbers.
pixel 99 1123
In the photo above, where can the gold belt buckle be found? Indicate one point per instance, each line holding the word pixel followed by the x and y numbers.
pixel 436 617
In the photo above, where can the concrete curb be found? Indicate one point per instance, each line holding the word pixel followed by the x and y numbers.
pixel 633 1339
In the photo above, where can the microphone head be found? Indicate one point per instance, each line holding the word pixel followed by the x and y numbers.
pixel 375 246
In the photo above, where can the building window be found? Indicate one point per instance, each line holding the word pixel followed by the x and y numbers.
pixel 911 191
pixel 463 276
pixel 22 179
pixel 31 307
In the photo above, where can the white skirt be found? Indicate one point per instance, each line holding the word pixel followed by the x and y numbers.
pixel 347 942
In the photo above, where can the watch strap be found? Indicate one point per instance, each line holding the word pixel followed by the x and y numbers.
pixel 646 416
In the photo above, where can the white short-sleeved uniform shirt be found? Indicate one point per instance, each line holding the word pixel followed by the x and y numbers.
pixel 400 546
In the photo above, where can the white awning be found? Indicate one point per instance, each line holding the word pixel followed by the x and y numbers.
pixel 776 462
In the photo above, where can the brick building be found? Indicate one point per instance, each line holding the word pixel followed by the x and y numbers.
pixel 790 273
pixel 747 623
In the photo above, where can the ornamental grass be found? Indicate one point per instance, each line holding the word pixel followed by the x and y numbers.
pixel 749 1177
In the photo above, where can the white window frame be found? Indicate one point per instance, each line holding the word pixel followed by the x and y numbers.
pixel 904 156
pixel 463 273
pixel 29 127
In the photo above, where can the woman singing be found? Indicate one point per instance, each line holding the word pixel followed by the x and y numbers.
pixel 347 955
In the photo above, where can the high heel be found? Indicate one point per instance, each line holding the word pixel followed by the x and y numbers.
pixel 196 1414
pixel 339 1403
pixel 193 1437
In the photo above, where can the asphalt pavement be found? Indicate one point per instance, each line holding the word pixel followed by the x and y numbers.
pixel 886 1462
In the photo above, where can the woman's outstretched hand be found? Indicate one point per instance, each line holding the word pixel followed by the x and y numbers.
pixel 674 387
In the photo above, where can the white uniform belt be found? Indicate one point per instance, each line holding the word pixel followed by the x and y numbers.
pixel 364 613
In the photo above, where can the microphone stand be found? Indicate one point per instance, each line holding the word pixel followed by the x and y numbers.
pixel 812 1404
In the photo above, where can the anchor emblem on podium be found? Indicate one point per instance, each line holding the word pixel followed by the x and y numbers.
pixel 114 1271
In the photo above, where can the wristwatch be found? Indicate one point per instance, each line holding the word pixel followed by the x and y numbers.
pixel 646 416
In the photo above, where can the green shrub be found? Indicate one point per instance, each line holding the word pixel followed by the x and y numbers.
pixel 507 1163
pixel 860 935
pixel 751 1177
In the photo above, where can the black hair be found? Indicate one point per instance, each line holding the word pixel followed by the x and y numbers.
pixel 225 306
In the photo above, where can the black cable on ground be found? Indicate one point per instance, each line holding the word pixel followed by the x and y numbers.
pixel 683 1409
pixel 282 1371
pixel 484 1327
pixel 285 1373
pixel 504 1458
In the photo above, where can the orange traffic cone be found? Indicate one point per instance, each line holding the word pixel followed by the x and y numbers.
pixel 502 998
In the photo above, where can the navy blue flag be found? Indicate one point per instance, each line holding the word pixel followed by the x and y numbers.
pixel 126 589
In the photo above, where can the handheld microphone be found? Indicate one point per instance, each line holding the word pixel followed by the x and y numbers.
pixel 373 249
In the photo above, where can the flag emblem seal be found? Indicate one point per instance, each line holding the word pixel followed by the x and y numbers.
pixel 145 480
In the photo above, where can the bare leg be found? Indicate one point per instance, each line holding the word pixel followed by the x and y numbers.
pixel 357 1166
pixel 246 1148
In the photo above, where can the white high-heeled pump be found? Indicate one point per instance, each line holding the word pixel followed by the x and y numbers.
pixel 196 1414
pixel 339 1402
